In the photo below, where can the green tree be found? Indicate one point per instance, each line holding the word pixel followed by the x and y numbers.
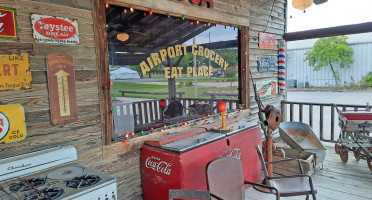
pixel 328 52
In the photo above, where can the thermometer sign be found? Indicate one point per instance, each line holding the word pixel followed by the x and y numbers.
pixel 61 84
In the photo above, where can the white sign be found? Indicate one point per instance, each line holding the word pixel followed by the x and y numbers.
pixel 156 164
pixel 54 30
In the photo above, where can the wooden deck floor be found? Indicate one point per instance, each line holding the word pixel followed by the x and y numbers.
pixel 338 181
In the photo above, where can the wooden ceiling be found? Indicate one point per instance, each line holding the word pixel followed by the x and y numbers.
pixel 150 33
pixel 147 34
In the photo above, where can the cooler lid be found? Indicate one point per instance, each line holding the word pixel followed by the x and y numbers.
pixel 193 142
pixel 240 126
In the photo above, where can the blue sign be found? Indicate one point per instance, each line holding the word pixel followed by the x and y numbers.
pixel 266 64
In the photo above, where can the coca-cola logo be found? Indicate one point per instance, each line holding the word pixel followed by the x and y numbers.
pixel 235 153
pixel 55 28
pixel 156 164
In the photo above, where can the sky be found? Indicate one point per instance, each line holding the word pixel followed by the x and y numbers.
pixel 329 14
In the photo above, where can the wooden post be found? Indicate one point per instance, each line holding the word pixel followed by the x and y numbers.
pixel 171 81
pixel 99 17
pixel 243 67
pixel 269 151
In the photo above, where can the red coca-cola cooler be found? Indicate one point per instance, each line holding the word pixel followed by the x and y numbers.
pixel 181 164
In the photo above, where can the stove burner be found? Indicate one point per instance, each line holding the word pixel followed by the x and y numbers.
pixel 25 185
pixel 83 181
pixel 45 194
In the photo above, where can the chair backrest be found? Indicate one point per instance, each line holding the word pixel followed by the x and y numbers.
pixel 260 156
pixel 225 178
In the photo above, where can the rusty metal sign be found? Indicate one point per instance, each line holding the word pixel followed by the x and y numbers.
pixel 8 24
pixel 266 64
pixel 267 41
pixel 12 123
pixel 61 85
pixel 267 88
pixel 55 30
pixel 14 72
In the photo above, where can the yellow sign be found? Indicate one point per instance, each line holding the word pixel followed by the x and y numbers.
pixel 12 123
pixel 181 50
pixel 176 72
pixel 14 72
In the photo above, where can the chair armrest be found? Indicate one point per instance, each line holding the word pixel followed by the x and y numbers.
pixel 188 194
pixel 265 186
pixel 288 159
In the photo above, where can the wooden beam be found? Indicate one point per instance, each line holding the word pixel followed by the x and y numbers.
pixel 243 67
pixel 179 9
pixel 128 59
pixel 99 18
pixel 332 31
pixel 117 47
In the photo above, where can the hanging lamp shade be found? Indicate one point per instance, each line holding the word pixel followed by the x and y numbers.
pixel 317 2
pixel 302 4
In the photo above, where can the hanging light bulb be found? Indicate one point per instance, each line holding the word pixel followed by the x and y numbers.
pixel 197 22
pixel 150 12
pixel 302 4
pixel 125 11
pixel 107 6
pixel 168 16
pixel 131 9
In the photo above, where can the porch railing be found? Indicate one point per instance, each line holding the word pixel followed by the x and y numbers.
pixel 149 111
pixel 321 117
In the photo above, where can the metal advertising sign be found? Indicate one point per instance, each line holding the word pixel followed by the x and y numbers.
pixel 54 30
pixel 61 85
pixel 12 123
pixel 266 64
pixel 14 72
pixel 267 88
pixel 8 24
pixel 267 41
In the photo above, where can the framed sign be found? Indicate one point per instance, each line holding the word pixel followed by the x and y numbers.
pixel 54 30
pixel 267 41
pixel 12 123
pixel 14 72
pixel 8 24
pixel 266 64
pixel 267 88
pixel 61 86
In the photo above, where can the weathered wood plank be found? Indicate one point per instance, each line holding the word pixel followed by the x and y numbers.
pixel 82 4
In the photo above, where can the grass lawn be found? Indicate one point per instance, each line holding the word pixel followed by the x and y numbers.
pixel 200 80
pixel 189 91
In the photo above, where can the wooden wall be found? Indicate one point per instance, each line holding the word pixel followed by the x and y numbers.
pixel 119 159
pixel 85 132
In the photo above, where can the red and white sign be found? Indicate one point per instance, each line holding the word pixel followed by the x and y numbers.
pixel 55 30
pixel 158 165
pixel 267 41
pixel 8 26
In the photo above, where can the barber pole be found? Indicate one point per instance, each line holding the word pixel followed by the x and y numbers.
pixel 282 66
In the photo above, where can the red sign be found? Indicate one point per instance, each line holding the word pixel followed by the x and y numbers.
pixel 55 28
pixel 208 3
pixel 267 41
pixel 8 26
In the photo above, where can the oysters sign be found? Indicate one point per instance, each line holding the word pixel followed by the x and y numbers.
pixel 55 30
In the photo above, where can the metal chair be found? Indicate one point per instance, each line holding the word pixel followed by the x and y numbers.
pixel 225 182
pixel 294 185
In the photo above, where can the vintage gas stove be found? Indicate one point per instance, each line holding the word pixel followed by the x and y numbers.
pixel 53 174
